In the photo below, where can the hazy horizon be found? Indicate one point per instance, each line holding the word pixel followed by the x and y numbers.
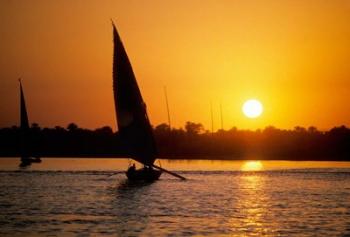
pixel 205 128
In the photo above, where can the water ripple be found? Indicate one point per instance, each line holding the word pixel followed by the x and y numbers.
pixel 211 203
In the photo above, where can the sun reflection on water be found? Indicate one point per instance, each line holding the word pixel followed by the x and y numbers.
pixel 251 203
pixel 252 166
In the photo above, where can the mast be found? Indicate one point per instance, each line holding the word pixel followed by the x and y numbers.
pixel 212 119
pixel 167 106
pixel 222 120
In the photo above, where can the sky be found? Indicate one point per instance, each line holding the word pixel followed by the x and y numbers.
pixel 291 55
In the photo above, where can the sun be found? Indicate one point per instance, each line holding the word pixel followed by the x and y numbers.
pixel 252 108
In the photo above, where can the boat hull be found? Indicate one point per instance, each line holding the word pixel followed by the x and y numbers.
pixel 27 161
pixel 144 174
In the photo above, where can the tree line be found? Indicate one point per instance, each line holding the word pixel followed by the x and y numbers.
pixel 191 141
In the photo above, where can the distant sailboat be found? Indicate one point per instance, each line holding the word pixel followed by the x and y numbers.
pixel 26 160
pixel 132 119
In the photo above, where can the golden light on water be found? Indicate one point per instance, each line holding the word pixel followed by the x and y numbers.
pixel 252 166
pixel 120 164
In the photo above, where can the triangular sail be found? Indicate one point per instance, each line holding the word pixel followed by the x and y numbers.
pixel 24 125
pixel 23 110
pixel 133 123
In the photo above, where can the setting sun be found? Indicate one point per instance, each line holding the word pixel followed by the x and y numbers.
pixel 252 166
pixel 252 108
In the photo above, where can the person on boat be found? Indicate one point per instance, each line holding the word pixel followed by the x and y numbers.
pixel 132 168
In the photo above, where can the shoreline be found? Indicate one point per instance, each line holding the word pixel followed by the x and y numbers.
pixel 197 157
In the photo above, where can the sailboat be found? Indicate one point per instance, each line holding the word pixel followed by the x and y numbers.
pixel 26 160
pixel 133 123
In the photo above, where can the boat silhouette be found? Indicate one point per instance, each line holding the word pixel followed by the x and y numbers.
pixel 26 158
pixel 133 122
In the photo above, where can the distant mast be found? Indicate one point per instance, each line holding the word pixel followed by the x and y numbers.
pixel 222 120
pixel 212 117
pixel 167 106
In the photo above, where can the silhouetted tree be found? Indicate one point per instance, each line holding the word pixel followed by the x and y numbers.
pixel 194 128
pixel 72 127
pixel 312 129
pixel 162 128
pixel 104 131
pixel 269 143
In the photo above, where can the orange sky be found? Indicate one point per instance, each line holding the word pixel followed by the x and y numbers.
pixel 293 55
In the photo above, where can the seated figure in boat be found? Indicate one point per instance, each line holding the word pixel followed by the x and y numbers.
pixel 132 168
pixel 147 173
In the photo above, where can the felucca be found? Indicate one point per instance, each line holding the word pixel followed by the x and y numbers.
pixel 133 123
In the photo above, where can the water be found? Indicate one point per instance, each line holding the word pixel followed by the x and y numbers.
pixel 88 197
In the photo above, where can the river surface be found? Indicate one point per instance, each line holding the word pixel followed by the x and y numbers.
pixel 91 197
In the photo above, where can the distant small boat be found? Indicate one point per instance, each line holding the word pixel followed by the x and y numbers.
pixel 26 159
pixel 133 123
